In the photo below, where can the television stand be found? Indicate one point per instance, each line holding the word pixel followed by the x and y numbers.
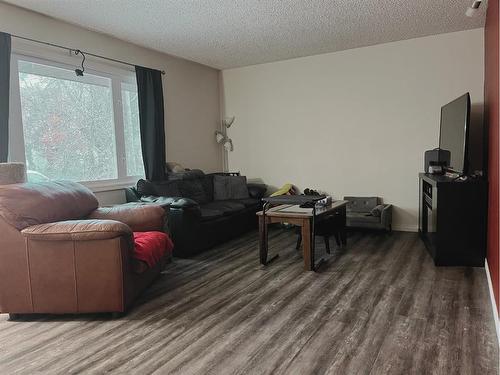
pixel 453 218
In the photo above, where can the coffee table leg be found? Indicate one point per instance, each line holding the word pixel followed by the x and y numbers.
pixel 306 245
pixel 263 238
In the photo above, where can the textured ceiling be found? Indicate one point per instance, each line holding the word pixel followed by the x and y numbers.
pixel 233 33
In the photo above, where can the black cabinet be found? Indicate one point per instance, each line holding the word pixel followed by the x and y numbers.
pixel 453 219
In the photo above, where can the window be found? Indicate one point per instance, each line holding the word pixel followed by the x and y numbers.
pixel 135 166
pixel 83 129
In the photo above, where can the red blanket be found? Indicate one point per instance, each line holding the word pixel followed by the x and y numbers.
pixel 151 246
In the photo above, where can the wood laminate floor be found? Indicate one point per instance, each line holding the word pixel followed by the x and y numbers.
pixel 377 307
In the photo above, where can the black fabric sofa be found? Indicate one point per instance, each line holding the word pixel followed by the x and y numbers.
pixel 196 221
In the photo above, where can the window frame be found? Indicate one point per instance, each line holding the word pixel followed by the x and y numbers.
pixel 117 76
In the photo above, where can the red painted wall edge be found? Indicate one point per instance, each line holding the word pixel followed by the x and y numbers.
pixel 491 116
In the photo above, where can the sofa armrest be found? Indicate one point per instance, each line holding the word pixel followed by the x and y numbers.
pixel 184 203
pixel 177 202
pixel 139 217
pixel 386 216
pixel 77 230
pixel 95 253
pixel 256 190
pixel 185 223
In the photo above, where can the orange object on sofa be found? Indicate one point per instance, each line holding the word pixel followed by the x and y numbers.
pixel 60 253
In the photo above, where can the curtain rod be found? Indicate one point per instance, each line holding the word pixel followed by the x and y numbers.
pixel 74 49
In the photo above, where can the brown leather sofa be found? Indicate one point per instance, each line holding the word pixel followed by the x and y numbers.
pixel 60 253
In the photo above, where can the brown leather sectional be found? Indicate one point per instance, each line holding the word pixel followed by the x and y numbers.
pixel 60 253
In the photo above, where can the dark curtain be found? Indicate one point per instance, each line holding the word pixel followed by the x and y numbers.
pixel 4 95
pixel 152 122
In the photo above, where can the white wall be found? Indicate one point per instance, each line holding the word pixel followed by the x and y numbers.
pixel 355 122
pixel 191 90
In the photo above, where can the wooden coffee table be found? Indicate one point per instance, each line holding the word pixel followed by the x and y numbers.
pixel 305 218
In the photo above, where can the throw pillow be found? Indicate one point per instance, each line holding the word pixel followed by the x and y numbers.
pixel 144 187
pixel 174 167
pixel 167 189
pixel 158 189
pixel 230 187
pixel 377 210
pixel 193 189
pixel 287 189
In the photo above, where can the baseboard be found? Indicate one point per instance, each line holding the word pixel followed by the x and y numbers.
pixel 493 303
pixel 405 228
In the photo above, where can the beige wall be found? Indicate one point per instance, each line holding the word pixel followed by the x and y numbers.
pixel 354 122
pixel 191 90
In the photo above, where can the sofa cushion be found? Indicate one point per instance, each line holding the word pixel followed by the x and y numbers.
pixel 145 187
pixel 230 187
pixel 24 205
pixel 209 214
pixel 194 190
pixel 150 247
pixel 226 207
pixel 159 189
pixel 139 216
pixel 247 202
pixel 188 174
pixel 167 189
pixel 208 186
pixel 361 204
pixel 362 217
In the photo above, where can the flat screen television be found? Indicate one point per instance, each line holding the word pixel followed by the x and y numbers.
pixel 454 134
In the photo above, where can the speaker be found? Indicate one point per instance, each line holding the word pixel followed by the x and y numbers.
pixel 436 157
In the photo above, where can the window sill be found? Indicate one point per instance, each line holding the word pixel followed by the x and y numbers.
pixel 102 186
